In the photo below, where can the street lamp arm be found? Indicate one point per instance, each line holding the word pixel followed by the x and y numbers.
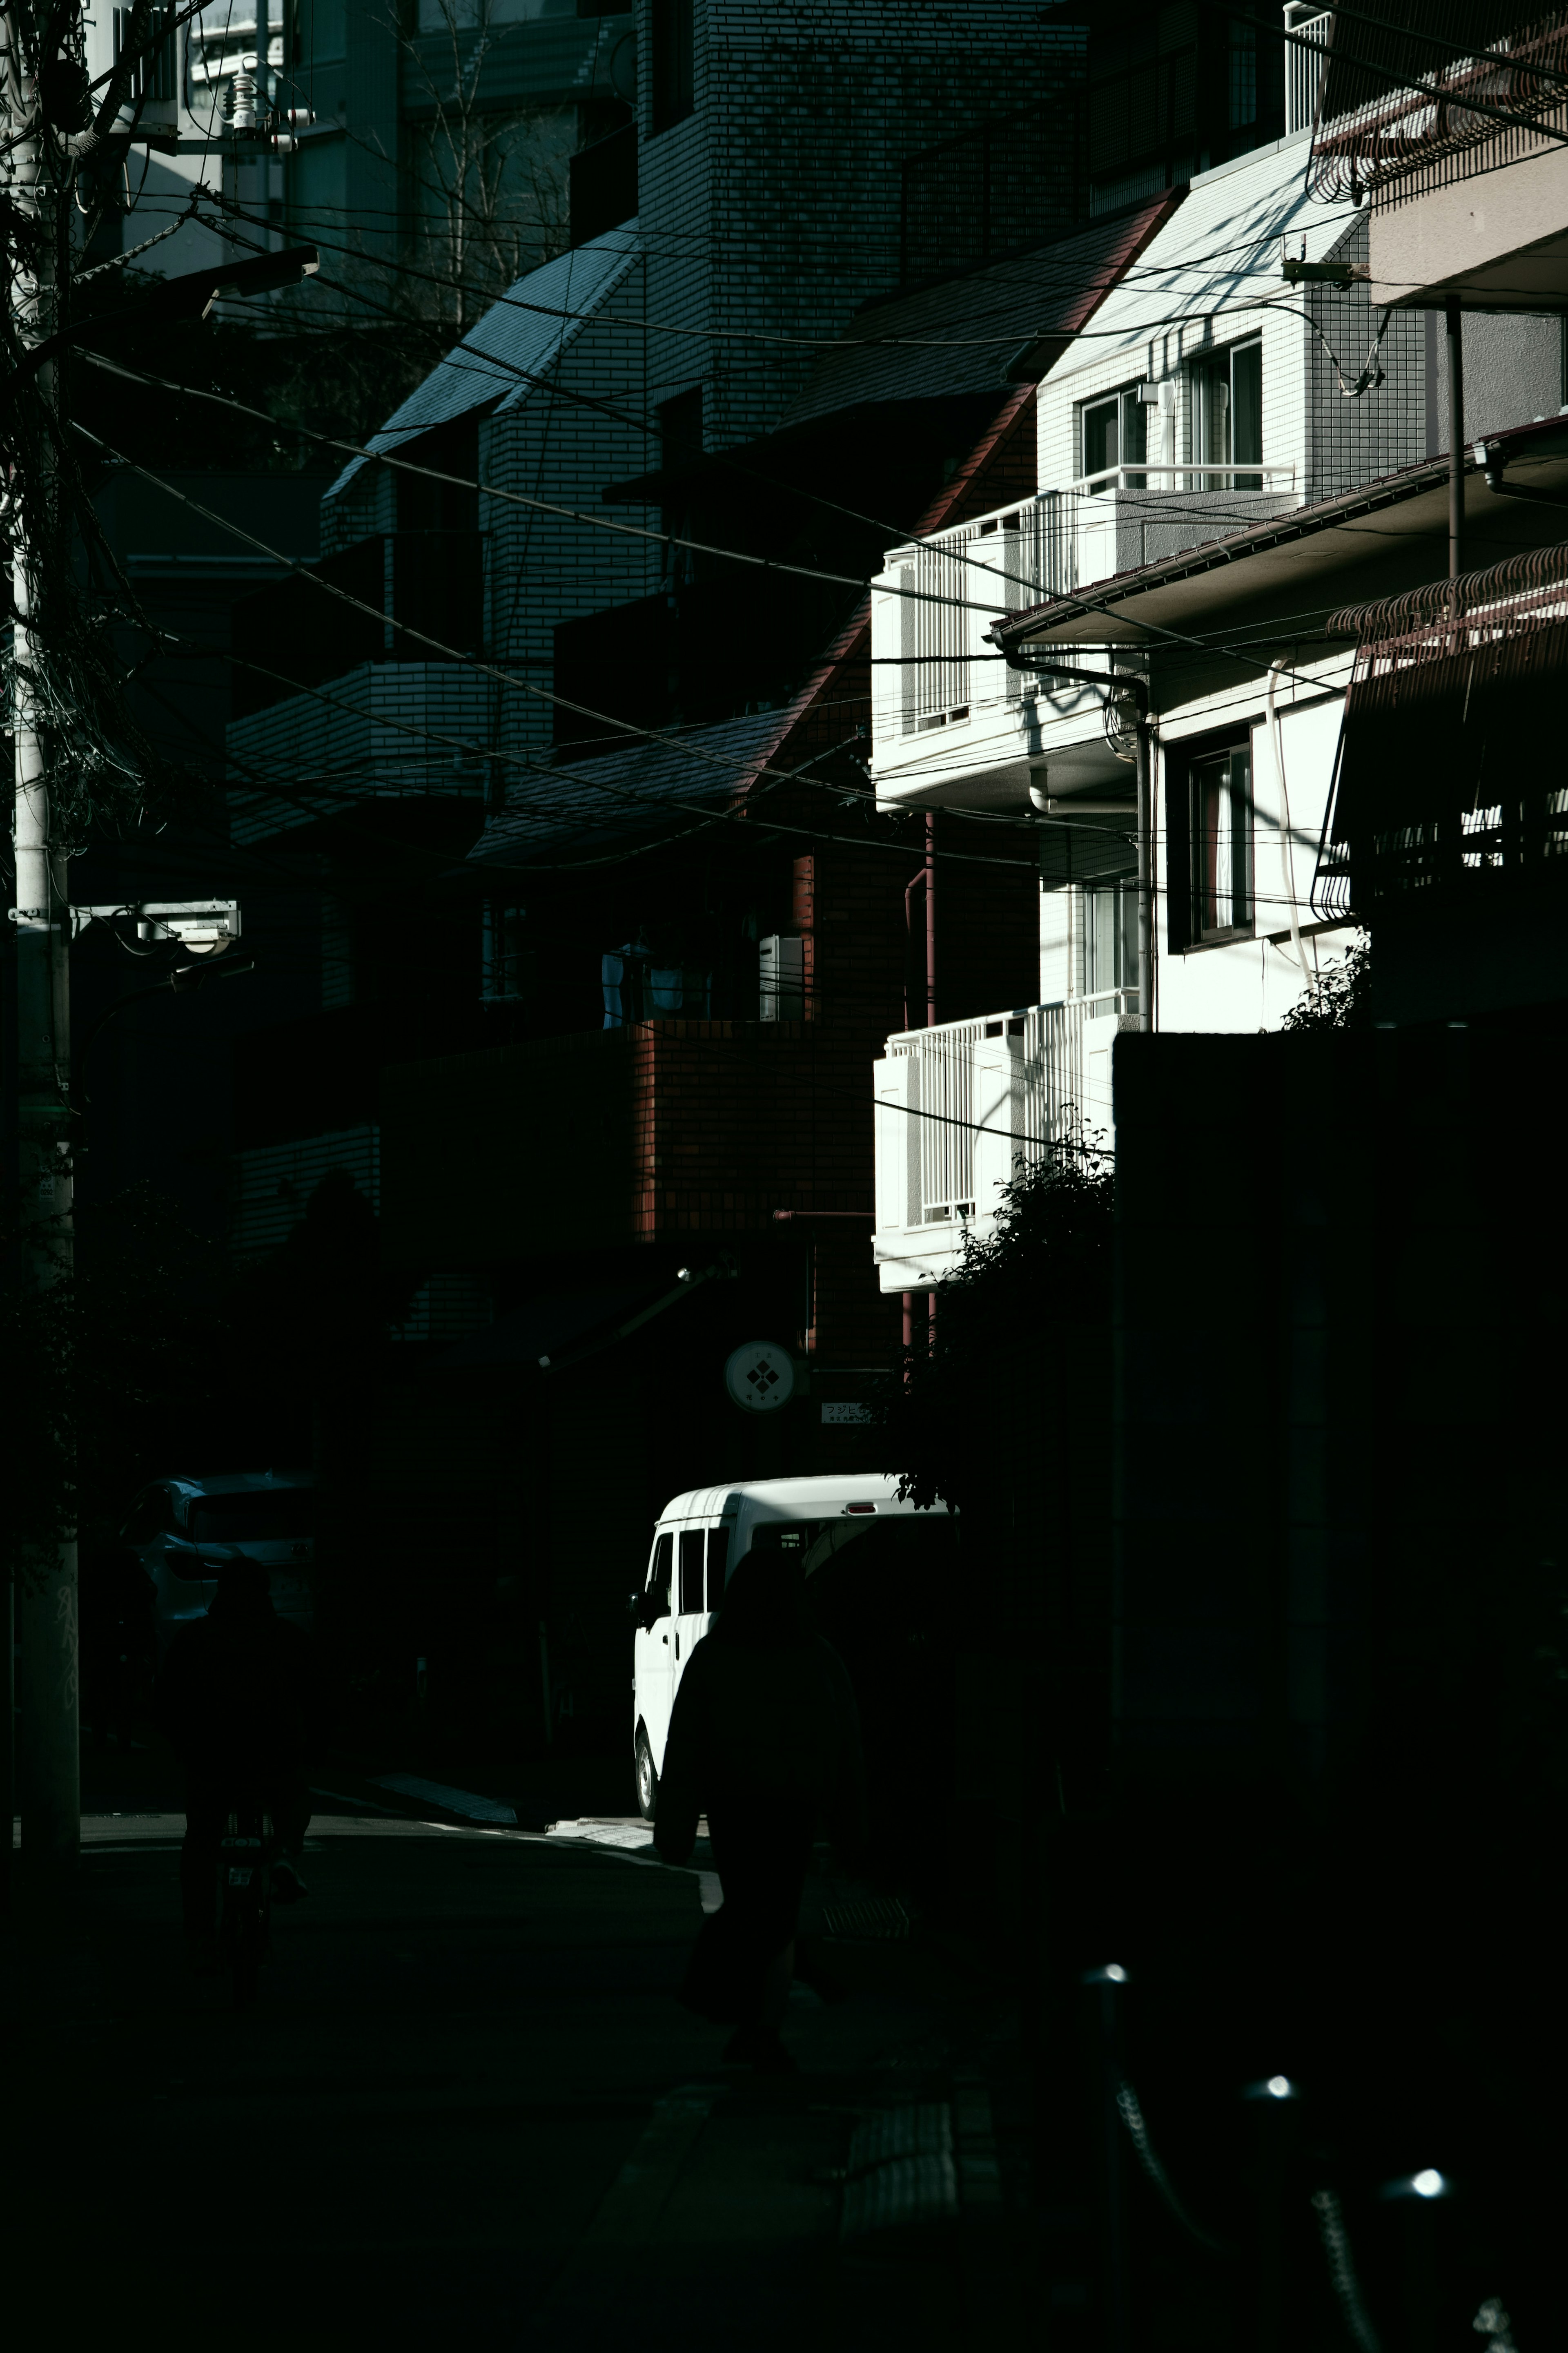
pixel 189 296
pixel 184 977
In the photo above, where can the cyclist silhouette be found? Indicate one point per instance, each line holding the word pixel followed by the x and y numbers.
pixel 237 1698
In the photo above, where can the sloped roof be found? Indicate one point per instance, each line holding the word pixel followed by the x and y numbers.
pixel 976 324
pixel 607 804
pixel 523 334
pixel 1219 254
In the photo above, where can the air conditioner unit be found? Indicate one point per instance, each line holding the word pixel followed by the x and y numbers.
pixel 780 975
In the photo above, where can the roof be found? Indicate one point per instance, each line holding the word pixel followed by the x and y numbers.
pixel 1394 528
pixel 522 336
pixel 609 803
pixel 1218 250
pixel 238 1483
pixel 1027 301
pixel 793 1499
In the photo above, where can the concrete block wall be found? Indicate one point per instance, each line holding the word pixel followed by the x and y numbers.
pixel 774 207
pixel 1211 278
pixel 377 733
pixel 552 444
pixel 1350 441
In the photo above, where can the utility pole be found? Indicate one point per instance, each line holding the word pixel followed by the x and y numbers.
pixel 46 1601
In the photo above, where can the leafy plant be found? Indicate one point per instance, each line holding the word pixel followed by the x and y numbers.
pixel 1048 1261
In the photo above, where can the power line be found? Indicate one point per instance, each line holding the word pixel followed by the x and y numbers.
pixel 819 343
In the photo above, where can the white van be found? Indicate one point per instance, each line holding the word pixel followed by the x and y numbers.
pixel 697 1543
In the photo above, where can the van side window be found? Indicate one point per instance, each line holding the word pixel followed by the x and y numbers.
pixel 150 1515
pixel 658 1573
pixel 691 1542
pixel 717 1555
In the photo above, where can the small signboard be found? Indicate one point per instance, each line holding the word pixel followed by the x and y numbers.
pixel 760 1377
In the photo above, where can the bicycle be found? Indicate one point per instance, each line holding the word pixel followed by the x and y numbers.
pixel 245 1855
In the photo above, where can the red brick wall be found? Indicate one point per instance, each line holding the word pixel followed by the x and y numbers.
pixel 734 1120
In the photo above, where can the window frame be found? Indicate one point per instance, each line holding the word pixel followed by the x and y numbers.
pixel 672 64
pixel 1205 370
pixel 1129 409
pixel 718 1565
pixel 1185 935
pixel 692 1568
pixel 660 1585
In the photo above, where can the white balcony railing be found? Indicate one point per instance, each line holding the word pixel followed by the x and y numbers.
pixel 963 1107
pixel 935 601
pixel 1157 474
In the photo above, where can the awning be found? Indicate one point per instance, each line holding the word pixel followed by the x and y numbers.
pixel 1388 536
pixel 1450 775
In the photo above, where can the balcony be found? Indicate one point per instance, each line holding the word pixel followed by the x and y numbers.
pixel 1447 799
pixel 962 1108
pixel 296 635
pixel 1130 515
pixel 411 733
pixel 936 675
pixel 1416 149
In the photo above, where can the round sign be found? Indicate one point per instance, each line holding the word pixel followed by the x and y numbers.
pixel 760 1377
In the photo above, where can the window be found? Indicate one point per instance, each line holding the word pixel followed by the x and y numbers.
pixel 1219 843
pixel 717 1558
pixel 507 955
pixel 1116 434
pixel 640 986
pixel 1227 418
pixel 154 76
pixel 1109 937
pixel 672 43
pixel 658 1574
pixel 151 1516
pixel 289 1514
pixel 692 1548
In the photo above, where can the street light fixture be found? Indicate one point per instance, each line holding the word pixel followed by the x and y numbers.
pixel 190 296
pixel 201 926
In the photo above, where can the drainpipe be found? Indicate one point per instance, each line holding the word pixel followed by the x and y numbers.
pixel 1146 870
pixel 1456 438
pixel 931 1005
pixel 931 919
pixel 926 876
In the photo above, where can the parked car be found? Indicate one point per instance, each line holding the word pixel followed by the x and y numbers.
pixel 180 1528
pixel 878 1573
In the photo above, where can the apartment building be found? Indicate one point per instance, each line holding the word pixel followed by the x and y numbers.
pixel 1242 390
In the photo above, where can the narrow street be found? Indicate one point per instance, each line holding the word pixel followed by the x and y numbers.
pixel 467 2100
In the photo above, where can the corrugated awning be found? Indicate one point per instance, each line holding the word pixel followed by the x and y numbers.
pixel 1449 775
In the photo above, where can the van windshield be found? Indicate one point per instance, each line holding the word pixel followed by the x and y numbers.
pixel 274 1516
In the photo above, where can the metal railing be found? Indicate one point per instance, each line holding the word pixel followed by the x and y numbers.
pixel 956 583
pixel 1184 475
pixel 968 1104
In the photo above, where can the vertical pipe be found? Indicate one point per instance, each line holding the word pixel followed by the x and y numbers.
pixel 46 1605
pixel 1272 2110
pixel 931 919
pixel 1145 877
pixel 930 1008
pixel 1456 438
pixel 1104 1987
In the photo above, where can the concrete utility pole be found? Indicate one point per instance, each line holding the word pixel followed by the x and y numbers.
pixel 47 1600
pixel 1455 328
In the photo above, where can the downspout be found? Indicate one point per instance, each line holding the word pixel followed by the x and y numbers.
pixel 1456 438
pixel 1277 746
pixel 930 1004
pixel 1145 868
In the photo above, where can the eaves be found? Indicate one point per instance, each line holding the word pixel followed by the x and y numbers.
pixel 1391 530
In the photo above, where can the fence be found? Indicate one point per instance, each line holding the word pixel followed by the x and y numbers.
pixel 964 1106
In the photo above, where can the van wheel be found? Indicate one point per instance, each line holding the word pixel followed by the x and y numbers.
pixel 648 1779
